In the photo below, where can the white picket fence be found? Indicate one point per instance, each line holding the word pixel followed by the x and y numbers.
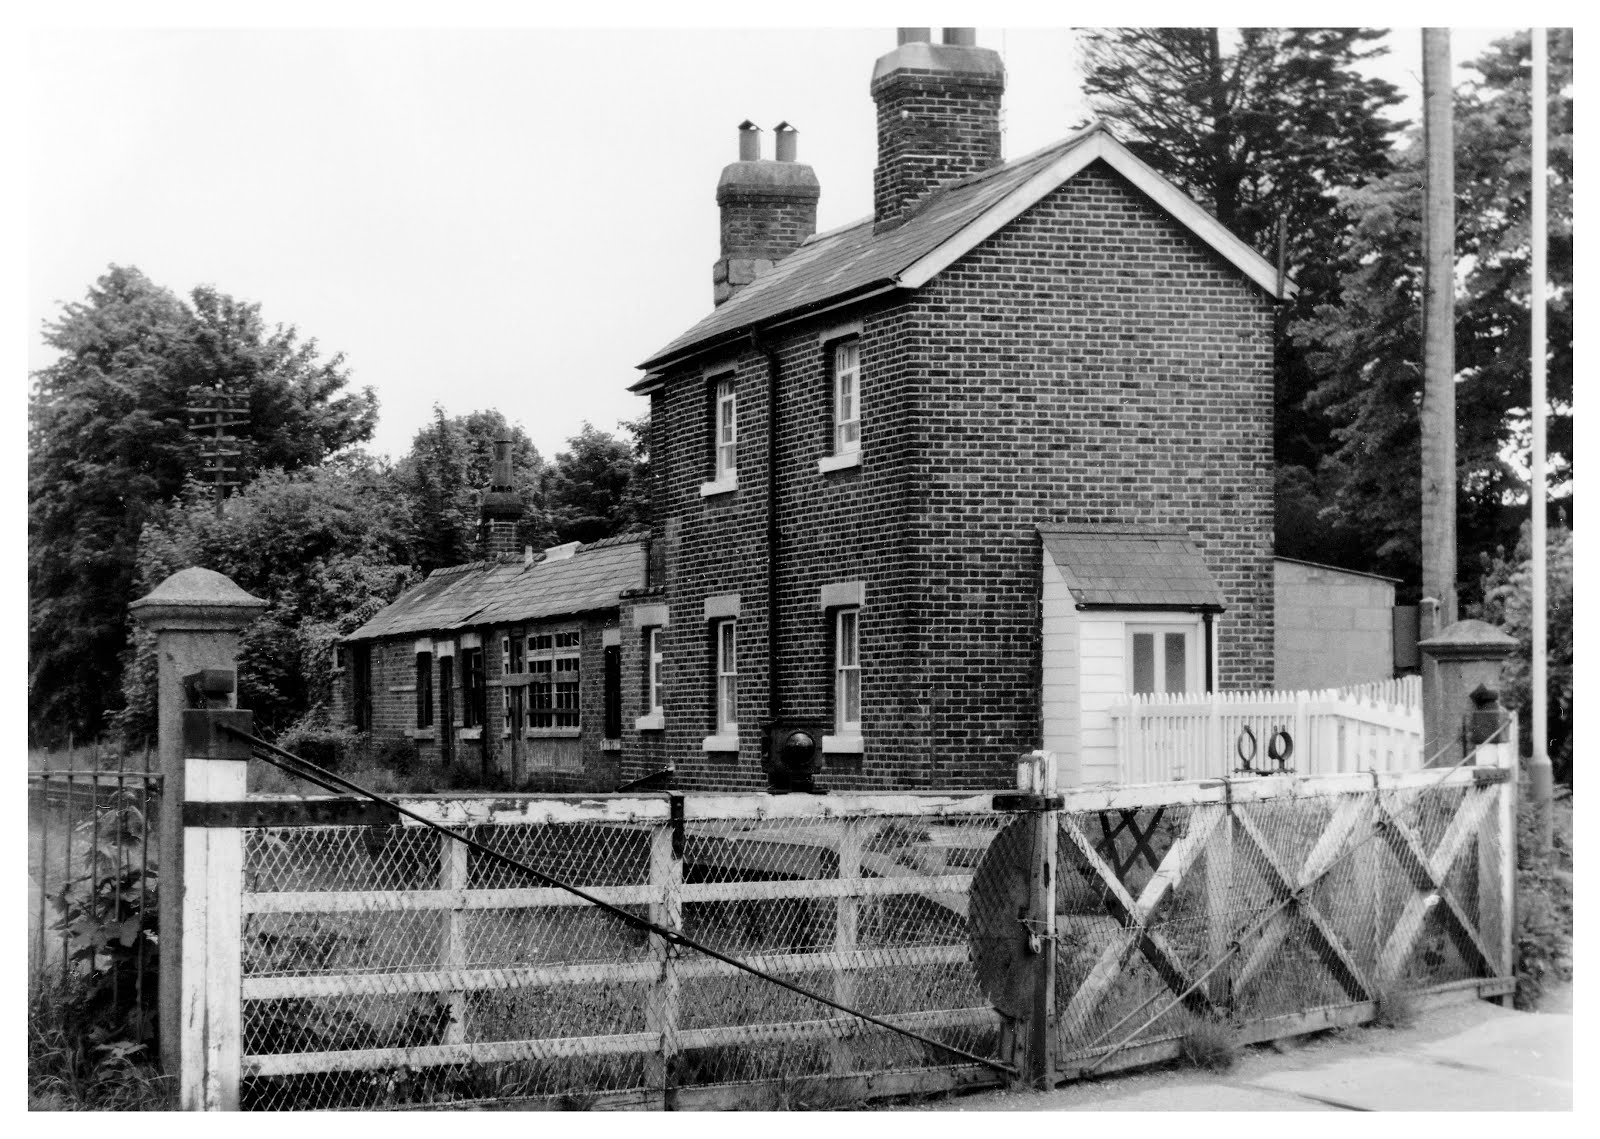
pixel 1375 726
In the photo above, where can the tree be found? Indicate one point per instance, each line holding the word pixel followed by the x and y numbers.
pixel 445 475
pixel 325 547
pixel 109 447
pixel 1507 588
pixel 1365 345
pixel 1274 124
pixel 599 486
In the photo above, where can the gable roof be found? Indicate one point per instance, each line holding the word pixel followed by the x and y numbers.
pixel 506 591
pixel 1131 567
pixel 853 262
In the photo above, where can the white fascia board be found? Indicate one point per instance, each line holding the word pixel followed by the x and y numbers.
pixel 1124 162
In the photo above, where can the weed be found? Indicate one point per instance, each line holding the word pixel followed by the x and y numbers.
pixel 1544 904
pixel 1397 1008
pixel 1208 1044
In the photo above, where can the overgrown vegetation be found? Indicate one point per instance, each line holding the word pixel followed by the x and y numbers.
pixel 1397 1008
pixel 1544 903
pixel 1209 1044
pixel 92 1027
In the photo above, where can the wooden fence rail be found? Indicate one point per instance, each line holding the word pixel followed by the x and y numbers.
pixel 1310 894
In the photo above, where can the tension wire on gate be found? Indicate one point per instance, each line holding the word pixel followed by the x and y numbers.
pixel 305 769
pixel 1237 943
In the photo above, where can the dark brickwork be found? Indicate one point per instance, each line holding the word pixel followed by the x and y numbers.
pixel 933 127
pixel 567 763
pixel 1091 362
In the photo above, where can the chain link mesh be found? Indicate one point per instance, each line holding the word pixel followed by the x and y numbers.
pixel 395 967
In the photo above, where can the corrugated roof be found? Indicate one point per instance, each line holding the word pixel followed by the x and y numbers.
pixel 854 259
pixel 505 592
pixel 1131 567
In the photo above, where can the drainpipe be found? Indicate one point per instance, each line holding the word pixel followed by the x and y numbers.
pixel 1207 616
pixel 774 688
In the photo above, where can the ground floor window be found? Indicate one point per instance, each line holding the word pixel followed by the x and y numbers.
pixel 652 656
pixel 424 690
pixel 474 702
pixel 725 638
pixel 554 673
pixel 847 672
pixel 1163 658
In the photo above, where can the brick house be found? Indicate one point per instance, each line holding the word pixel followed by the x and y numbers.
pixel 511 664
pixel 936 487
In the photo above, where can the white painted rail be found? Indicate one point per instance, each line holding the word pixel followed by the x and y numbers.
pixel 1369 727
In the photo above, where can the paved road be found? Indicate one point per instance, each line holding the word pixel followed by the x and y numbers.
pixel 1473 1057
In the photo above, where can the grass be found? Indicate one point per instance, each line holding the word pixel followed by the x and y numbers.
pixel 1397 1008
pixel 69 1070
pixel 1208 1044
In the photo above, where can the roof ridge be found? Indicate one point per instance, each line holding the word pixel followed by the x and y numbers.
pixel 623 538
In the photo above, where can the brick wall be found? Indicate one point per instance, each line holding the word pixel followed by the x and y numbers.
pixel 1092 362
pixel 933 127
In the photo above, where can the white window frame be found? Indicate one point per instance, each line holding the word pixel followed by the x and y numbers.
pixel 505 693
pixel 846 667
pixel 652 642
pixel 726 633
pixel 565 648
pixel 725 441
pixel 1194 648
pixel 847 404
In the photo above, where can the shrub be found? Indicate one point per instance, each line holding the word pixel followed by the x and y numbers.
pixel 1397 1008
pixel 1543 940
pixel 1208 1044
pixel 323 744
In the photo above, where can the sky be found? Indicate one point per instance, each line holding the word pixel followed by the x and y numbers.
pixel 484 217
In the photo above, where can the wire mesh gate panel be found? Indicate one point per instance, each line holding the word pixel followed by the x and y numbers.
pixel 1274 901
pixel 394 967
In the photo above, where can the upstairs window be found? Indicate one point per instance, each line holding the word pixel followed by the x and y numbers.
pixel 847 397
pixel 554 661
pixel 726 438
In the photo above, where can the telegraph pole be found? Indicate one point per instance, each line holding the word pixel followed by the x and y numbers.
pixel 1539 773
pixel 222 414
pixel 1438 331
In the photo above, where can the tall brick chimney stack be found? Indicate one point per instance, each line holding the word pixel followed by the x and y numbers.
pixel 502 508
pixel 938 117
pixel 768 209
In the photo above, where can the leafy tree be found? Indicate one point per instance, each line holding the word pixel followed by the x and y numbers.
pixel 109 447
pixel 445 475
pixel 1507 587
pixel 325 547
pixel 599 485
pixel 1367 347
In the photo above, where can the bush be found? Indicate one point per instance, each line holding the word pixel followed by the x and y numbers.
pixel 1397 1008
pixel 1543 940
pixel 326 745
pixel 1208 1044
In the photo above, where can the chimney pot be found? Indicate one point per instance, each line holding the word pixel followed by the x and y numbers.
pixel 961 37
pixel 786 137
pixel 913 35
pixel 749 142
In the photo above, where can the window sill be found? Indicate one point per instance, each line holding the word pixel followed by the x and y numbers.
pixel 725 485
pixel 554 733
pixel 654 722
pixel 830 463
pixel 610 745
pixel 842 745
pixel 728 742
pixel 396 689
pixel 469 734
pixel 421 733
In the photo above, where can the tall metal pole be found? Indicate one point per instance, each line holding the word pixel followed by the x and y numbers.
pixel 1539 769
pixel 1438 325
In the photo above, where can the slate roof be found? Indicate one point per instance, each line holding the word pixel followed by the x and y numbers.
pixel 853 259
pixel 1128 567
pixel 507 591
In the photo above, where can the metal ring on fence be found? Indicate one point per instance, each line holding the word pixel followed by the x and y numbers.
pixel 1246 733
pixel 1280 755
